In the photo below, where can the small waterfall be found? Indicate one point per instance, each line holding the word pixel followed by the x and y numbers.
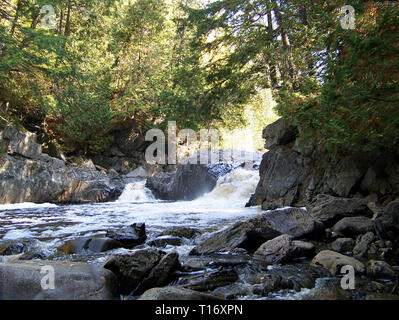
pixel 136 192
pixel 237 185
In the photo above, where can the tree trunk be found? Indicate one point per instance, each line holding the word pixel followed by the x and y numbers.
pixel 19 6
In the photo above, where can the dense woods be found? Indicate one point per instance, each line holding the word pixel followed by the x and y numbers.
pixel 74 71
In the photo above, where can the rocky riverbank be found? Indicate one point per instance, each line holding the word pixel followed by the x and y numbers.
pixel 28 175
pixel 317 223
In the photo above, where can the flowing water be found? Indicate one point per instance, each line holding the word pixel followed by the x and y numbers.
pixel 53 225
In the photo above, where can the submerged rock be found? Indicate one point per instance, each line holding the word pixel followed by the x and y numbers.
pixel 93 245
pixel 77 281
pixel 182 232
pixel 162 242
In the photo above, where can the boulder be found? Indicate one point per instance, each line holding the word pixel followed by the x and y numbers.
pixel 329 209
pixel 249 234
pixel 162 242
pixel 294 222
pixel 380 270
pixel 334 261
pixel 93 245
pixel 291 276
pixel 278 133
pixel 390 218
pixel 351 226
pixel 130 236
pixel 161 275
pixel 181 232
pixel 190 181
pixel 175 293
pixel 281 250
pixel 209 280
pixel 362 244
pixel 141 269
pixel 343 245
pixel 73 281
pixel 214 260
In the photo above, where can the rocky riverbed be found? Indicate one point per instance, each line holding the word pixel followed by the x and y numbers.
pixel 304 227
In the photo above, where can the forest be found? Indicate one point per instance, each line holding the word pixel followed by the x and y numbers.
pixel 77 71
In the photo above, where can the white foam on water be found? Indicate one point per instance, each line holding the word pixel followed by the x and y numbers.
pixel 136 192
pixel 26 205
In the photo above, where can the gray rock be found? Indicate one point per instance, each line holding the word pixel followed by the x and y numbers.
pixel 31 176
pixel 343 245
pixel 280 132
pixel 353 226
pixel 334 261
pixel 330 210
pixel 94 245
pixel 362 244
pixel 130 236
pixel 390 217
pixel 77 281
pixel 162 242
pixel 190 181
pixel 161 275
pixel 282 249
pixel 132 269
pixel 209 280
pixel 175 293
pixel 182 232
pixel 250 234
pixel 294 222
pixel 380 270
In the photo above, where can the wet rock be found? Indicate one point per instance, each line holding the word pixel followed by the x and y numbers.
pixel 77 281
pixel 232 291
pixel 282 249
pixel 212 260
pixel 343 245
pixel 142 270
pixel 353 226
pixel 181 232
pixel 250 234
pixel 161 275
pixel 209 280
pixel 291 277
pixel 10 248
pixel 175 293
pixel 362 244
pixel 94 245
pixel 334 261
pixel 189 182
pixel 102 244
pixel 162 242
pixel 382 296
pixel 329 209
pixel 380 270
pixel 327 294
pixel 129 236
